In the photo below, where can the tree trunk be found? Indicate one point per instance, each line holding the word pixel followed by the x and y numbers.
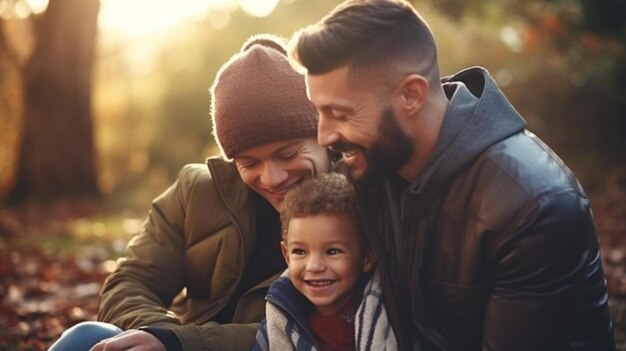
pixel 57 155
pixel 11 112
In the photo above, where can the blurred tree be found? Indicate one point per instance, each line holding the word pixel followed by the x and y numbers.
pixel 587 37
pixel 56 154
pixel 11 110
pixel 565 70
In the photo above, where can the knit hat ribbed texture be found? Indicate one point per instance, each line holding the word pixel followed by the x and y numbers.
pixel 258 97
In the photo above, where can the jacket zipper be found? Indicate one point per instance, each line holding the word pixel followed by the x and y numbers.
pixel 415 281
pixel 415 274
pixel 233 218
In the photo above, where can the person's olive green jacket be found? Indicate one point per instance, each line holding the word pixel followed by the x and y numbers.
pixel 189 258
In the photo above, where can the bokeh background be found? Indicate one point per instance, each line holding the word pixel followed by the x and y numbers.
pixel 102 102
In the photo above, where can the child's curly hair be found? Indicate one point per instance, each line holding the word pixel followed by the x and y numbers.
pixel 329 193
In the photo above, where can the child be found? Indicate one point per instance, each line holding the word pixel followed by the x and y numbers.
pixel 327 299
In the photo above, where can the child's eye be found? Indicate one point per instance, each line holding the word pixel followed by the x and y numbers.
pixel 298 252
pixel 333 251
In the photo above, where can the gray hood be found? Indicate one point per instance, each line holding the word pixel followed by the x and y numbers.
pixel 479 115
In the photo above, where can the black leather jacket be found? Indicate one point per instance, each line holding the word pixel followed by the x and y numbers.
pixel 494 247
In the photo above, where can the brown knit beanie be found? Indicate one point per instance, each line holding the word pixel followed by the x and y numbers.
pixel 258 97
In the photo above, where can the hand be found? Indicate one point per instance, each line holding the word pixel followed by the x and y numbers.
pixel 135 340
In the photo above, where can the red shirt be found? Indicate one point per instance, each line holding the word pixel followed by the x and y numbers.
pixel 335 332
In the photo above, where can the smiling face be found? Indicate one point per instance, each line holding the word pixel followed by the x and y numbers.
pixel 359 123
pixel 326 256
pixel 274 168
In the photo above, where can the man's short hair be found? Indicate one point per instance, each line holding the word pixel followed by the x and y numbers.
pixel 365 34
pixel 329 193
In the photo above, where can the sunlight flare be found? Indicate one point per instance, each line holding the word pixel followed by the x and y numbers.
pixel 143 17
pixel 258 8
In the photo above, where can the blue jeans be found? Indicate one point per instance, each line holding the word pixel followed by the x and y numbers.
pixel 83 336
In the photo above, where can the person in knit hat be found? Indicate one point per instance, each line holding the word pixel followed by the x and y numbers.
pixel 196 275
pixel 257 89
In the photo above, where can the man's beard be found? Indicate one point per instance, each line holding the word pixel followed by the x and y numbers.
pixel 389 152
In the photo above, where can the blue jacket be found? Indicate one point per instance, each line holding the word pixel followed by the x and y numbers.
pixel 286 326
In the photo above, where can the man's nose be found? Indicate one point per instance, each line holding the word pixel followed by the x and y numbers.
pixel 327 134
pixel 272 175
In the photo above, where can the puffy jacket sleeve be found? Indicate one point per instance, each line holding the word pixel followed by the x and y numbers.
pixel 539 278
pixel 214 336
pixel 152 272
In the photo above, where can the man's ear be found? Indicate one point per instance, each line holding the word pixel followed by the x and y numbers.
pixel 283 250
pixel 412 93
pixel 369 262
